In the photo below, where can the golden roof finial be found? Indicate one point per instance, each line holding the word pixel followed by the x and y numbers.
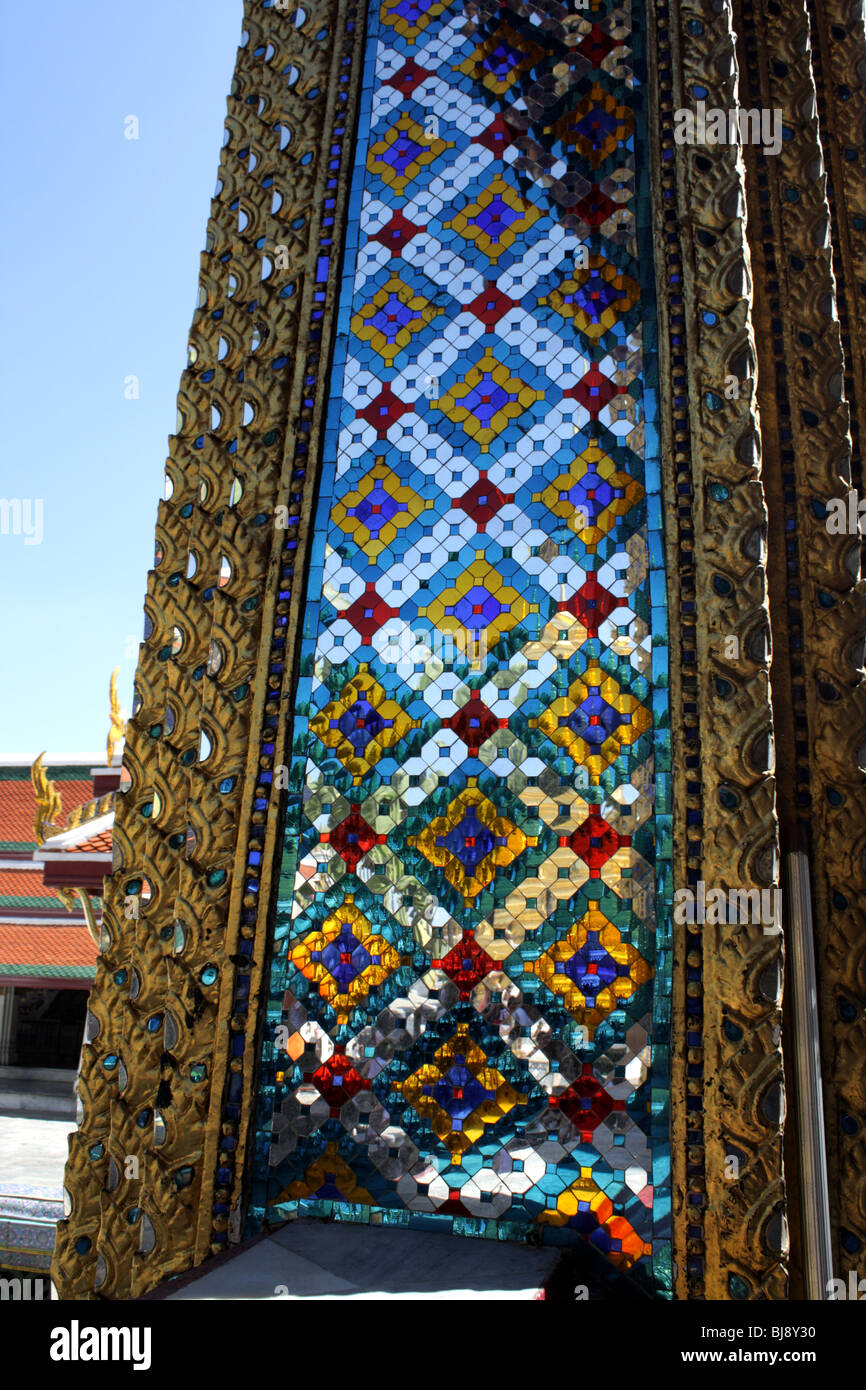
pixel 48 808
pixel 118 723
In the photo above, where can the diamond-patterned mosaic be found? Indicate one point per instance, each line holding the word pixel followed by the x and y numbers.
pixel 468 1015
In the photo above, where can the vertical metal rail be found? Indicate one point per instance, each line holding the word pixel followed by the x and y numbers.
pixel 808 1091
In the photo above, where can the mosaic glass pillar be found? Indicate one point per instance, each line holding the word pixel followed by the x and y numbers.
pixel 468 1015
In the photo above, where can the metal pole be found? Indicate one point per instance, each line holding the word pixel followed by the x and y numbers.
pixel 815 1204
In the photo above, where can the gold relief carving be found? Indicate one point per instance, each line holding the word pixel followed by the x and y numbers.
pixel 117 722
pixel 48 808
pixel 829 698
pixel 839 60
pixel 89 810
pixel 172 908
pixel 715 458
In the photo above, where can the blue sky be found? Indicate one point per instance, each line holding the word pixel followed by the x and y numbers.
pixel 101 238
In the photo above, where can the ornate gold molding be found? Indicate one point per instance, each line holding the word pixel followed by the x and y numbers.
pixel 117 721
pixel 727 1066
pixel 48 808
pixel 816 602
pixel 838 37
pixel 174 1009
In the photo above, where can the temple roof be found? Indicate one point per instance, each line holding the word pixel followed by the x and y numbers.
pixel 18 802
pixel 41 940
pixel 26 888
pixel 48 951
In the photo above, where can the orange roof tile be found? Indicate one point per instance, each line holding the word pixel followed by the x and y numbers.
pixel 45 950
pixel 24 883
pixel 96 844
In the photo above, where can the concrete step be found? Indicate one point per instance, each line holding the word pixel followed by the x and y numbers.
pixel 42 1076
pixel 37 1090
pixel 43 1106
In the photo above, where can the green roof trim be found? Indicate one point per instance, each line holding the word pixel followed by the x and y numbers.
pixel 63 772
pixel 31 902
pixel 64 972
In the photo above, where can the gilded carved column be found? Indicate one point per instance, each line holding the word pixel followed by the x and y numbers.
pixel 155 1170
pixel 759 260
pixel 809 360
pixel 729 1223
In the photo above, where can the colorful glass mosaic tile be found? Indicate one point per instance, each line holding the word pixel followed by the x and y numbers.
pixel 469 994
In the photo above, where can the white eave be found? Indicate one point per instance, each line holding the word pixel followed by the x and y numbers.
pixel 60 846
